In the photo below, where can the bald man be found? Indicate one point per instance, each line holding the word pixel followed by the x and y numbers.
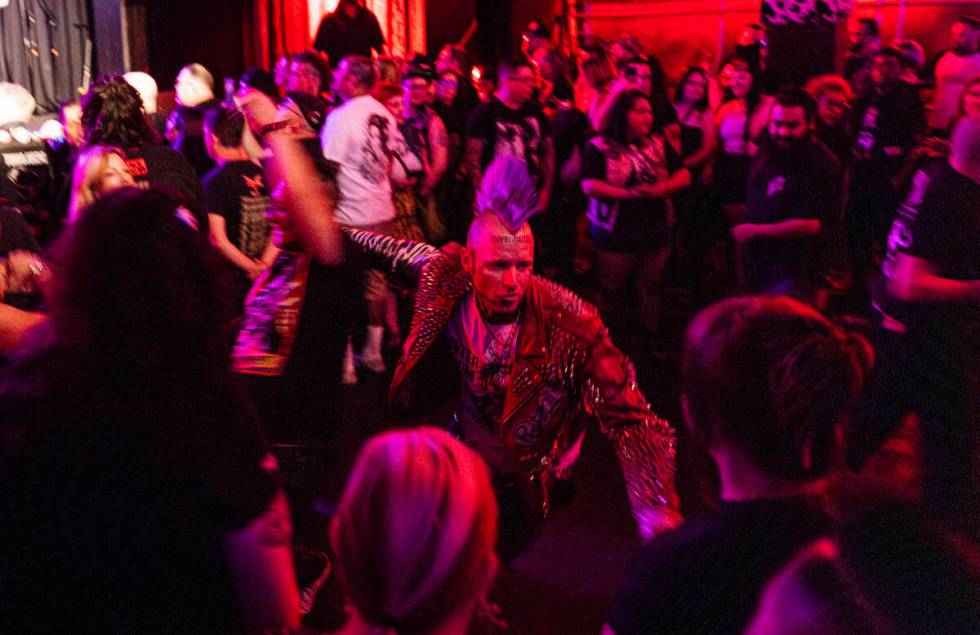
pixel 932 309
pixel 531 359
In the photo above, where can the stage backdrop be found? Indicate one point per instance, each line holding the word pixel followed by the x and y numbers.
pixel 46 48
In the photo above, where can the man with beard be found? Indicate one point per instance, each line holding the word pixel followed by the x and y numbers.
pixel 531 361
pixel 794 195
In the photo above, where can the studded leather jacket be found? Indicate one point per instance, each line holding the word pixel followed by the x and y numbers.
pixel 566 372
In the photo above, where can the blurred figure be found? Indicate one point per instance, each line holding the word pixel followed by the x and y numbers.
pixel 280 73
pixel 308 74
pixel 850 583
pixel 194 88
pixel 933 294
pixel 914 58
pixel 958 66
pixel 185 130
pixel 888 121
pixel 626 48
pixel 435 549
pixel 349 30
pixel 146 86
pixel 261 80
pixel 98 171
pixel 865 42
pixel 534 38
pixel 161 512
pixel 833 126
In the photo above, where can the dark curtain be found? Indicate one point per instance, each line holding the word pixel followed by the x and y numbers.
pixel 46 48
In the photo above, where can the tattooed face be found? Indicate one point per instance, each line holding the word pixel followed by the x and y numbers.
pixel 500 263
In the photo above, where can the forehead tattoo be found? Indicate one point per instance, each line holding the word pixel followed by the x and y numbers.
pixel 510 239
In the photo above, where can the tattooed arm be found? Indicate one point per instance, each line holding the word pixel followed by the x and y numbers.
pixel 439 159
pixel 474 150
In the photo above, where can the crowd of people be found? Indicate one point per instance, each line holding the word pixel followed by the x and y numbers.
pixel 174 358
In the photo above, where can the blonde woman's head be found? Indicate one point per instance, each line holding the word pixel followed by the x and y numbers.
pixel 415 530
pixel 98 171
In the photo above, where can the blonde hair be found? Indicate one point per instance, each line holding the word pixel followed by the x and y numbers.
pixel 86 177
pixel 415 531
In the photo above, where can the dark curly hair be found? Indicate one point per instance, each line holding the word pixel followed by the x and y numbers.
pixel 616 127
pixel 112 114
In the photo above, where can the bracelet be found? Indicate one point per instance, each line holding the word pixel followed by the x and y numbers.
pixel 274 126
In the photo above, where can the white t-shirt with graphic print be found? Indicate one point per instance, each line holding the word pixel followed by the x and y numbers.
pixel 360 136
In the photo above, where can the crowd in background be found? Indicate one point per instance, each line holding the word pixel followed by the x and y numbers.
pixel 830 229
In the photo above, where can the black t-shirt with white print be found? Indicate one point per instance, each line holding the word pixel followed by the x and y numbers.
pixel 630 225
pixel 237 192
pixel 505 132
pixel 940 223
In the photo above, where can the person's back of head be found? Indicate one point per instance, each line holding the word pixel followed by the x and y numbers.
pixel 772 380
pixel 415 531
pixel 112 114
pixel 223 128
pixel 146 86
pixel 356 75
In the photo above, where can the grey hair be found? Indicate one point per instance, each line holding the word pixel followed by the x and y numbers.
pixel 508 192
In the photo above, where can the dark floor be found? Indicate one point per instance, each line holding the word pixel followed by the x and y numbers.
pixel 565 583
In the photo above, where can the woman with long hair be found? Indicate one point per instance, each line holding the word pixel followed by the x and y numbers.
pixel 740 121
pixel 98 170
pixel 159 510
pixel 697 146
pixel 414 535
pixel 630 174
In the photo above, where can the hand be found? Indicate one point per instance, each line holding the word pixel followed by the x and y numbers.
pixel 257 107
pixel 745 232
pixel 646 190
pixel 652 523
pixel 256 269
pixel 401 184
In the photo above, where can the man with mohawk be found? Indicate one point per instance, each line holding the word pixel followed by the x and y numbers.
pixel 534 364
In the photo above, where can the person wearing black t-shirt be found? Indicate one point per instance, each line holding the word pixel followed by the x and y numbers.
pixel 887 122
pixel 349 30
pixel 935 274
pixel 235 198
pixel 512 124
pixel 767 383
pixel 629 174
pixel 112 115
pixel 793 195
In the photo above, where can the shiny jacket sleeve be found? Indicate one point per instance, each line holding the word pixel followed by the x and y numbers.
pixel 645 444
pixel 405 256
